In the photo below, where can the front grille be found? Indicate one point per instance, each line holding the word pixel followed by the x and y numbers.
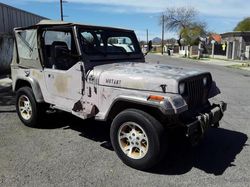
pixel 195 92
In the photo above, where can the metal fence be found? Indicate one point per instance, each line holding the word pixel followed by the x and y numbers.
pixel 11 17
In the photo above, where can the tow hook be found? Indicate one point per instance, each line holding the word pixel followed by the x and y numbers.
pixel 204 120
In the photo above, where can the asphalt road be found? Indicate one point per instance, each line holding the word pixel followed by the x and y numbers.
pixel 71 152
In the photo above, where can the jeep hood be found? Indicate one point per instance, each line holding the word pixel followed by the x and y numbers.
pixel 141 76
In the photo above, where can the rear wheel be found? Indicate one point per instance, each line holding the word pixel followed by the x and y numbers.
pixel 138 139
pixel 28 110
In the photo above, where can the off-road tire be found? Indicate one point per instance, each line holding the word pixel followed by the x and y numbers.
pixel 156 135
pixel 38 110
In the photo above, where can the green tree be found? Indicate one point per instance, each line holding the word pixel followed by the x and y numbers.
pixel 193 32
pixel 183 20
pixel 244 25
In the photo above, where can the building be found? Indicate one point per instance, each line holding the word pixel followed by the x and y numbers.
pixel 237 45
pixel 10 18
pixel 215 37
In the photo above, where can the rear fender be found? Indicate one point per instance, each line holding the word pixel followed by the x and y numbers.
pixel 33 84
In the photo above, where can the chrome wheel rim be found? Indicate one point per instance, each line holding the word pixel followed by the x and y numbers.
pixel 24 106
pixel 133 140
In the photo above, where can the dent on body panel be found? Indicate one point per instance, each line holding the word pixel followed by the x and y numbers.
pixel 106 96
pixel 62 83
pixel 86 107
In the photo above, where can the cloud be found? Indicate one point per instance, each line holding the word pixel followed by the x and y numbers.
pixel 222 8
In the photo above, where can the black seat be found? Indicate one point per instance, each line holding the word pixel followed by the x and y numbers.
pixel 60 55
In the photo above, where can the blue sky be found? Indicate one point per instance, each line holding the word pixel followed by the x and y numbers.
pixel 139 15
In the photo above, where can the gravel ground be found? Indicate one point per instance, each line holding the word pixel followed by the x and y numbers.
pixel 72 152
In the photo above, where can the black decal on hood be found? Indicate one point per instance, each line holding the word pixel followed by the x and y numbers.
pixel 113 81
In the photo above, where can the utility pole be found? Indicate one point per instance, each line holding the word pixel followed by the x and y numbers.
pixel 61 9
pixel 147 35
pixel 162 39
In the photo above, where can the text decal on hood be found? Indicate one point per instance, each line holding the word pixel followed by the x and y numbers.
pixel 113 82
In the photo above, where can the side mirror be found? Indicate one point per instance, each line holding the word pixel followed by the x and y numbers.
pixel 149 47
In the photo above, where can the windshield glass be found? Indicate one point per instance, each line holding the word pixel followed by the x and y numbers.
pixel 105 42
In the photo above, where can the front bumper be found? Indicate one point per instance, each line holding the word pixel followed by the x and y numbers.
pixel 206 120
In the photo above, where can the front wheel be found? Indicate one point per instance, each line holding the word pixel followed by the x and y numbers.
pixel 28 110
pixel 138 139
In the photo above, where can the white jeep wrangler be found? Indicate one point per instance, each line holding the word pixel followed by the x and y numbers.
pixel 100 72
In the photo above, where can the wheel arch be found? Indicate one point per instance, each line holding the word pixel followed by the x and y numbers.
pixel 123 104
pixel 33 84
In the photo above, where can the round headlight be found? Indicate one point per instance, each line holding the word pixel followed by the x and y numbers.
pixel 182 88
pixel 205 81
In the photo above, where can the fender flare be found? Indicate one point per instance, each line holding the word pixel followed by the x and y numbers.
pixel 133 102
pixel 34 85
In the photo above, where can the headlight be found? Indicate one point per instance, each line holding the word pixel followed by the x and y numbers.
pixel 181 88
pixel 178 102
pixel 205 81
